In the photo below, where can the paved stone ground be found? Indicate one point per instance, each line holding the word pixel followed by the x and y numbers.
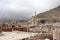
pixel 16 35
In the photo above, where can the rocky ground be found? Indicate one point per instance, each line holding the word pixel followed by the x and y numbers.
pixel 15 35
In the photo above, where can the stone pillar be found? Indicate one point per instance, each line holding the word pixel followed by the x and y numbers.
pixel 55 35
pixel 33 20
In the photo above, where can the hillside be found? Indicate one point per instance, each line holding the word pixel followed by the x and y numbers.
pixel 51 15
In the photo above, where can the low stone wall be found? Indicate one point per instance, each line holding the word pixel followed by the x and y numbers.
pixel 14 29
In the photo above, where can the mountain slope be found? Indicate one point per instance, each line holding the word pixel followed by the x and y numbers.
pixel 53 14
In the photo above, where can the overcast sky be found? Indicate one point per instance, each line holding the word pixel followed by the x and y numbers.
pixel 26 7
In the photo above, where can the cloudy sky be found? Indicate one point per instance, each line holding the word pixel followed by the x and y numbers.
pixel 25 7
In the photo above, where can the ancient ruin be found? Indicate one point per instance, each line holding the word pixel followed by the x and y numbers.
pixel 39 27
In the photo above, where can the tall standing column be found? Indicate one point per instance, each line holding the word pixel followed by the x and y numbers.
pixel 33 20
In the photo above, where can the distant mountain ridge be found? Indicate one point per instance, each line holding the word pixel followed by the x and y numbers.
pixel 53 14
pixel 8 18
